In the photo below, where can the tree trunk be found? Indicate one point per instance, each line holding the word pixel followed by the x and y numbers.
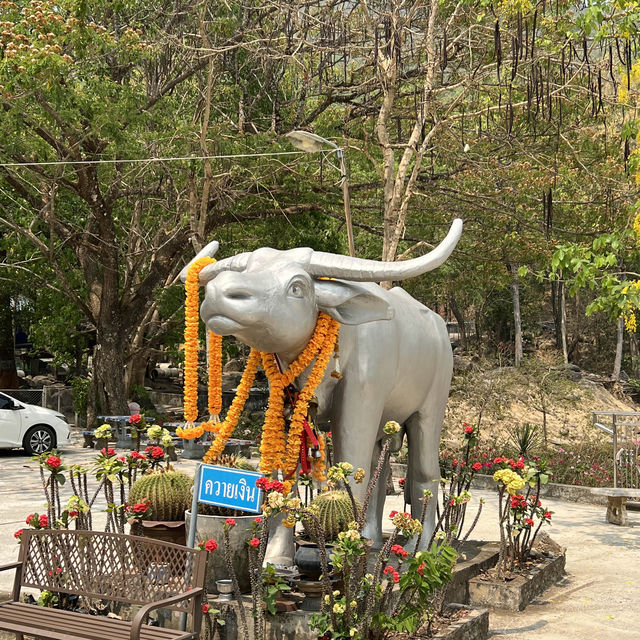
pixel 634 350
pixel 8 371
pixel 517 320
pixel 108 393
pixel 136 371
pixel 562 304
pixel 617 365
pixel 459 319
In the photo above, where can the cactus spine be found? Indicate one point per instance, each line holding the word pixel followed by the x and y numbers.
pixel 335 512
pixel 168 491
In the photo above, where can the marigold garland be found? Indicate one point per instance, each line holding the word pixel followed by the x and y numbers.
pixel 191 319
pixel 214 359
pixel 225 429
pixel 319 464
pixel 277 451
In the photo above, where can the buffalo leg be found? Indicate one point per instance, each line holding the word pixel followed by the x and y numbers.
pixel 423 468
pixel 355 441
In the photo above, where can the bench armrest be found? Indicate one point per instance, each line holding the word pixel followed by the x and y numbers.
pixel 12 565
pixel 141 616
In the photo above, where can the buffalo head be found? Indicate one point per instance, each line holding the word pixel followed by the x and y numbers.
pixel 270 299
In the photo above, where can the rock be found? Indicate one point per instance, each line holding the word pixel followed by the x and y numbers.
pixel 461 364
pixel 564 432
pixel 235 365
pixel 230 380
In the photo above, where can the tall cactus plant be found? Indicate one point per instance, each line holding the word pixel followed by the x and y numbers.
pixel 168 491
pixel 334 511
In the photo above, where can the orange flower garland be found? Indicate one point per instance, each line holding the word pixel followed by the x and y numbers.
pixel 319 465
pixel 273 453
pixel 272 444
pixel 277 451
pixel 214 358
pixel 191 320
pixel 233 415
pixel 305 396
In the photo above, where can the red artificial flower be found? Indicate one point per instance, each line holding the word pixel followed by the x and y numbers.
pixel 388 570
pixel 108 452
pixel 477 466
pixel 155 452
pixel 402 482
pixel 392 515
pixel 396 577
pixel 275 485
pixel 420 569
pixel 328 434
pixel 254 542
pixel 29 519
pixel 452 502
pixel 44 521
pixel 528 522
pixel 399 550
pixel 468 429
pixel 18 534
pixel 136 455
pixel 140 507
pixel 547 515
pixel 73 514
pixel 135 418
pixel 53 462
pixel 455 462
pixel 261 483
pixel 205 608
pixel 258 520
pixel 121 458
pixel 211 545
pixel 230 522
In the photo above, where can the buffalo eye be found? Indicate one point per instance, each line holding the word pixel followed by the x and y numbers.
pixel 297 289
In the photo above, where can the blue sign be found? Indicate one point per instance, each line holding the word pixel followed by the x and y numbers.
pixel 232 488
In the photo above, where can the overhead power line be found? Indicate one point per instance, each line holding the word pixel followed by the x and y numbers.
pixel 154 159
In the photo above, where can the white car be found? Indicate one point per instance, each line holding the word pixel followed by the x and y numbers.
pixel 31 427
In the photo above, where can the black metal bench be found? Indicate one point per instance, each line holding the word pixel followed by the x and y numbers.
pixel 104 567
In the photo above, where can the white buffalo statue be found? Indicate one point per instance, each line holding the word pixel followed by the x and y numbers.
pixel 395 353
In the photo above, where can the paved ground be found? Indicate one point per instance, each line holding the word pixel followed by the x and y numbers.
pixel 598 600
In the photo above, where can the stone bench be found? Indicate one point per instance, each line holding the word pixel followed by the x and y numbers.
pixel 617 503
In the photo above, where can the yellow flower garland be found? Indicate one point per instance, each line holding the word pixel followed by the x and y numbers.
pixel 215 375
pixel 191 319
pixel 277 452
pixel 235 410
pixel 319 465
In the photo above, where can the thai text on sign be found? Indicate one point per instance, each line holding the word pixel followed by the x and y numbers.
pixel 231 488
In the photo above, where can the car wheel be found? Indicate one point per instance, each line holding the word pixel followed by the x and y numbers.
pixel 39 440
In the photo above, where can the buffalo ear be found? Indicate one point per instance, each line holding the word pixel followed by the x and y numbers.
pixel 352 303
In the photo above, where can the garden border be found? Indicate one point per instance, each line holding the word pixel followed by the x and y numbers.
pixel 567 492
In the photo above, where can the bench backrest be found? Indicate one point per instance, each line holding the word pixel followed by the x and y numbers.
pixel 110 566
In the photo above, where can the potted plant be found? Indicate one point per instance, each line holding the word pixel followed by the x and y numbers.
pixel 168 493
pixel 334 510
pixel 521 573
pixel 103 434
pixel 162 437
pixel 212 522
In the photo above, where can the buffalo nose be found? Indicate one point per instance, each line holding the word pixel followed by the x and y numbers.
pixel 237 293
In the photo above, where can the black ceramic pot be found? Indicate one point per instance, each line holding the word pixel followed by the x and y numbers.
pixel 308 561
